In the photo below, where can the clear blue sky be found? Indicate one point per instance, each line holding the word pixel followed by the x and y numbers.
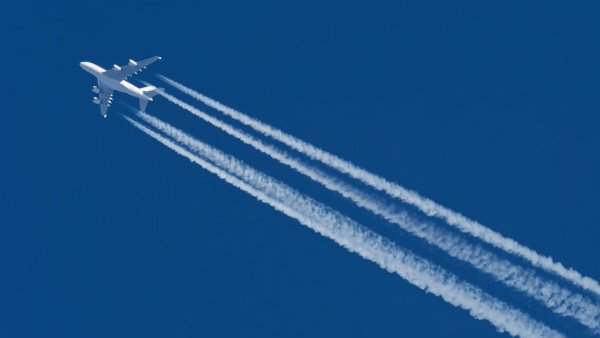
pixel 488 108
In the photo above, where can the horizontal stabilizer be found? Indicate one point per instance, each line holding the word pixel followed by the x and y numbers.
pixel 150 91
pixel 143 104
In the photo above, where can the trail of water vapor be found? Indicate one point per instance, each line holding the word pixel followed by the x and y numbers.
pixel 356 238
pixel 424 204
pixel 561 301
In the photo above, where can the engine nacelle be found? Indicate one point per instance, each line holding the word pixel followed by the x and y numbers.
pixel 96 100
pixel 132 63
pixel 117 67
pixel 95 89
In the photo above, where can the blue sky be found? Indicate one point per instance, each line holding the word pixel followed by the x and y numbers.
pixel 488 108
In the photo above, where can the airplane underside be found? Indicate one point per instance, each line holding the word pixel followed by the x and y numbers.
pixel 114 79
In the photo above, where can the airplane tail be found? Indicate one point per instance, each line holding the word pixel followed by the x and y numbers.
pixel 149 91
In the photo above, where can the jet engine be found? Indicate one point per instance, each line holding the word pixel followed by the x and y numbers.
pixel 95 89
pixel 96 100
pixel 116 67
pixel 132 63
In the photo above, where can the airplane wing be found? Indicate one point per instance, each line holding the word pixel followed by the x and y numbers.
pixel 122 73
pixel 105 97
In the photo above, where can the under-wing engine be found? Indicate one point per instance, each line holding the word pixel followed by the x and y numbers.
pixel 132 63
pixel 95 89
pixel 96 100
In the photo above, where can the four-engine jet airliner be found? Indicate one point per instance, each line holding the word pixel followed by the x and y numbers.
pixel 115 79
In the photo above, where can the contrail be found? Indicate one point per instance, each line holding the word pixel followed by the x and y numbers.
pixel 424 204
pixel 559 300
pixel 356 238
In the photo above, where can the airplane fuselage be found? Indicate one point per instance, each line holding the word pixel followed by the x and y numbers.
pixel 121 86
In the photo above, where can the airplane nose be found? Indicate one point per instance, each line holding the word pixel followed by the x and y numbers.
pixel 85 65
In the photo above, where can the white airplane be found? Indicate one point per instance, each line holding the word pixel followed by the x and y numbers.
pixel 115 79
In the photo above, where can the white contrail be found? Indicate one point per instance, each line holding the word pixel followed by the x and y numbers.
pixel 360 240
pixel 424 204
pixel 559 300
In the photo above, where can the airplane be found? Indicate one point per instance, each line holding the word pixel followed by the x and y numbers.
pixel 115 79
